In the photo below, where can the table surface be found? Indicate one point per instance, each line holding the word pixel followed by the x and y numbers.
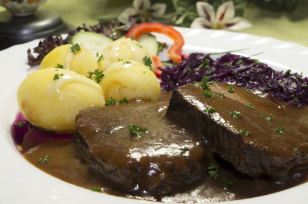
pixel 291 27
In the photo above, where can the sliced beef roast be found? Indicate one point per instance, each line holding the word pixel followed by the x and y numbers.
pixel 163 160
pixel 263 151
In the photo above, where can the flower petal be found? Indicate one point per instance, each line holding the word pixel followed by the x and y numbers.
pixel 126 14
pixel 236 23
pixel 157 10
pixel 201 23
pixel 141 6
pixel 225 12
pixel 206 11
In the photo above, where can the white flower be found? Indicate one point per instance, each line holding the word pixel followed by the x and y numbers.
pixel 143 11
pixel 224 18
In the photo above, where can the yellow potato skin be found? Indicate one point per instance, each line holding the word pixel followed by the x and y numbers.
pixel 56 110
pixel 82 61
pixel 125 49
pixel 130 79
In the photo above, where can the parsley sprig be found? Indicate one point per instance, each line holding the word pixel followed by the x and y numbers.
pixel 246 133
pixel 98 75
pixel 96 189
pixel 137 130
pixel 21 124
pixel 268 118
pixel 280 130
pixel 208 93
pixel 250 105
pixel 184 150
pixel 204 82
pixel 221 95
pixel 57 76
pixel 210 109
pixel 225 182
pixel 124 100
pixel 205 64
pixel 147 62
pixel 111 101
pixel 60 66
pixel 46 159
pixel 75 48
pixel 212 171
pixel 230 89
pixel 100 57
pixel 235 114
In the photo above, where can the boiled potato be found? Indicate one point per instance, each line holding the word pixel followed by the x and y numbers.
pixel 82 61
pixel 51 98
pixel 124 49
pixel 130 79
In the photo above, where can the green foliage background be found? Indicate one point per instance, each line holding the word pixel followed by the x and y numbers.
pixel 183 12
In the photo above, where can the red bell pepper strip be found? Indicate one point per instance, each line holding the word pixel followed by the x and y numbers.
pixel 157 63
pixel 174 52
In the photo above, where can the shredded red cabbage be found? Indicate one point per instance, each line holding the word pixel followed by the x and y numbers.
pixel 240 71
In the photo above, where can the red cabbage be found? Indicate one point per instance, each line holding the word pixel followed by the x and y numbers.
pixel 240 71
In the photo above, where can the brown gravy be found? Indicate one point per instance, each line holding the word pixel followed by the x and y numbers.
pixel 70 163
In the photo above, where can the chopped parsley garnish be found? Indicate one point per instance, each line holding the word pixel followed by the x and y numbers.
pixel 280 130
pixel 137 130
pixel 98 75
pixel 189 70
pixel 221 95
pixel 249 105
pixel 21 124
pixel 206 63
pixel 46 159
pixel 184 150
pixel 235 114
pixel 101 57
pixel 212 171
pixel 230 89
pixel 287 73
pixel 208 93
pixel 246 133
pixel 256 61
pixel 204 82
pixel 59 66
pixel 57 76
pixel 147 62
pixel 95 109
pixel 295 99
pixel 119 60
pixel 240 62
pixel 124 100
pixel 268 118
pixel 225 182
pixel 126 62
pixel 299 76
pixel 111 101
pixel 210 109
pixel 96 189
pixel 227 64
pixel 75 48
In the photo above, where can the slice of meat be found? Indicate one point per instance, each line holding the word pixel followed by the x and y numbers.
pixel 261 152
pixel 156 164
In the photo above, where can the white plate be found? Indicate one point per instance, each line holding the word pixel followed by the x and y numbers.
pixel 20 182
